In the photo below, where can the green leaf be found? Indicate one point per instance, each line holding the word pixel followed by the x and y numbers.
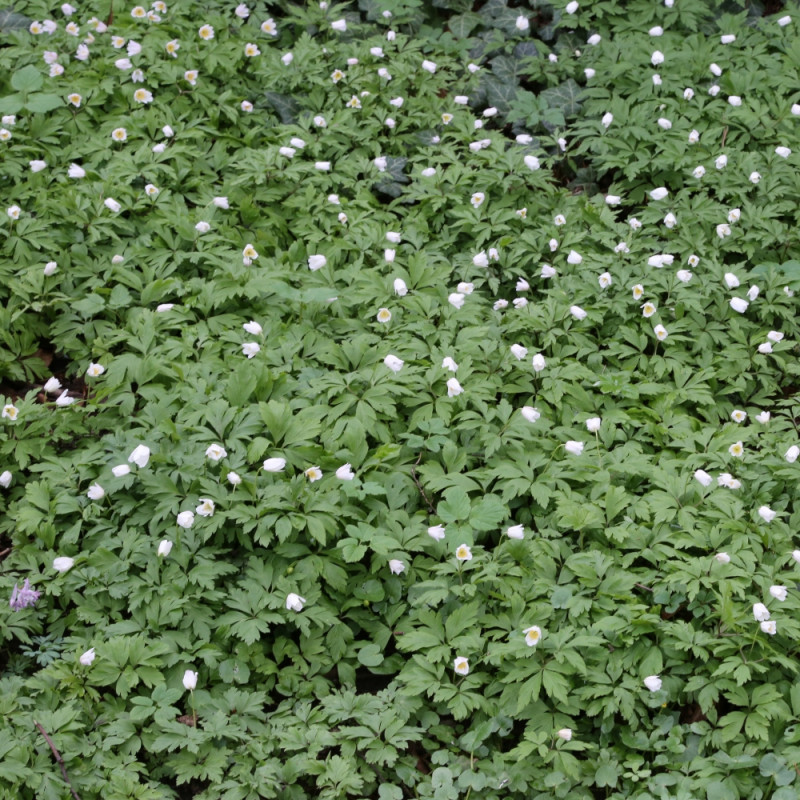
pixel 42 103
pixel 499 94
pixel 11 104
pixel 370 655
pixel 566 97
pixel 27 79
pixel 606 775
pixel 285 106
pixel 10 20
pixel 462 25
pixel 455 507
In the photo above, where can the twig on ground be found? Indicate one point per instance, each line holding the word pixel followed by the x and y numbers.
pixel 58 758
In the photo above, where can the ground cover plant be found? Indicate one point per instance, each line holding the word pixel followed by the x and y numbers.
pixel 399 400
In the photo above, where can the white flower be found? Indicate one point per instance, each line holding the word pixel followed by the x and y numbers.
pixel 571 7
pixel 221 202
pixel 186 519
pixel 463 553
pixel 660 332
pixel 316 262
pixel 783 152
pixel 739 304
pixel 723 230
pixel 518 351
pixel 5 479
pixel 577 312
pixel 664 123
pixel 780 593
pixel 394 363
pixel 731 281
pixel 275 464
pixel 722 558
pixel 737 415
pixel 659 194
pixel 454 388
pixel 400 288
pixel 250 349
pixel 594 39
pixel 775 336
pixel 784 21
pixel 234 478
pixel 755 177
pixel 429 66
pixel 792 454
pixel 63 564
pixel 531 162
pixel 456 299
pixel 96 492
pixel 87 657
pixel 396 566
pixel 522 285
pixel 765 348
pixel 216 452
pixel 162 308
pixel 206 507
pixel 565 734
pixel 590 73
pixel 516 532
pixel 253 327
pixel 657 57
pixel 345 472
pixel 766 513
pixel 593 424
pixel 121 470
pixel 670 220
pixel 607 119
pixel 164 548
pixel 428 172
pixel 613 199
pixel 189 680
pixel 530 413
pixel 683 275
pixel 770 627
pixel 339 25
pixel 532 635
pixel 753 292
pixel 64 399
pixel 538 362
pixel 735 100
pixel 448 363
pixel 520 302
pixel 760 612
pixel 139 456
pixel 721 162
pixel 796 555
pixel 461 665
pixel 294 602
pixel 736 449
pixel 634 223
pixel 436 532
pixel 688 93
pixel 653 683
pixel 574 448
pixel 522 23
pixel 481 260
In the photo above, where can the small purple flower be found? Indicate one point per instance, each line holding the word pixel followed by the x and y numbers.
pixel 24 597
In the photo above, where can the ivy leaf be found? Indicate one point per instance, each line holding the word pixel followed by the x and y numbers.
pixel 463 24
pixel 10 20
pixel 285 106
pixel 566 97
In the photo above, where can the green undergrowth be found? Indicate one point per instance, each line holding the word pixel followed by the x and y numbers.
pixel 420 415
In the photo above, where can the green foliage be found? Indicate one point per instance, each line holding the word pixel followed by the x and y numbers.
pixel 360 423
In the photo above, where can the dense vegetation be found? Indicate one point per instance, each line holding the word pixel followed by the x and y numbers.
pixel 398 400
